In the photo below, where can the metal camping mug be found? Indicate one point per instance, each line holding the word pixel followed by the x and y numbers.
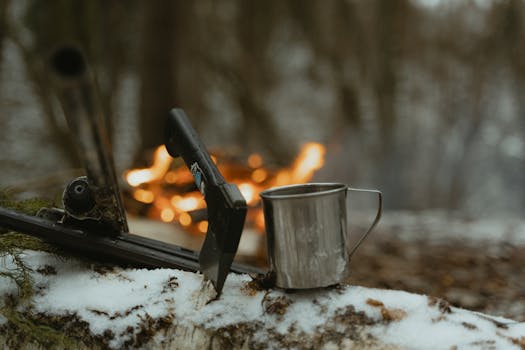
pixel 306 230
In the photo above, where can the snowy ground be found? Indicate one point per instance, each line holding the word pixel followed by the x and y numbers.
pixel 475 264
pixel 125 307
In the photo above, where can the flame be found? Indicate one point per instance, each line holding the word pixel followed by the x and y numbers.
pixel 171 177
pixel 259 175
pixel 249 192
pixel 162 185
pixel 161 164
pixel 143 196
pixel 189 202
pixel 255 160
pixel 259 220
pixel 167 215
pixel 203 226
pixel 185 219
pixel 310 159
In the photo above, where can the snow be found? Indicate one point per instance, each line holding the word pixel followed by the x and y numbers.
pixel 117 299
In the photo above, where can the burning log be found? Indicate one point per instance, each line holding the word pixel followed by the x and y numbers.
pixel 198 215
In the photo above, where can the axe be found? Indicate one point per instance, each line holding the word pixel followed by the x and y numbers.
pixel 225 204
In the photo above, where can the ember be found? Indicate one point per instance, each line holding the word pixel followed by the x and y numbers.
pixel 168 191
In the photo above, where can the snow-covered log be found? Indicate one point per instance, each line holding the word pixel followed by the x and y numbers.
pixel 80 306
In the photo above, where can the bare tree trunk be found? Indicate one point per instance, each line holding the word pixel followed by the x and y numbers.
pixel 3 27
pixel 4 6
pixel 114 52
pixel 161 29
pixel 390 23
pixel 459 177
pixel 254 26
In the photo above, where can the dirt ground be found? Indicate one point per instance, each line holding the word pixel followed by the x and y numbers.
pixel 485 277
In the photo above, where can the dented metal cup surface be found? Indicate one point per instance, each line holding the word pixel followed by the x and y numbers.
pixel 306 230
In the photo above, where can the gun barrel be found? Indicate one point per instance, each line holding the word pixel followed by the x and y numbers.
pixel 124 248
pixel 76 90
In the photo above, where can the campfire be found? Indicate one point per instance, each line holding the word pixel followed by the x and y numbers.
pixel 167 190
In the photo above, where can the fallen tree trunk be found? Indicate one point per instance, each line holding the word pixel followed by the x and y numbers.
pixel 75 305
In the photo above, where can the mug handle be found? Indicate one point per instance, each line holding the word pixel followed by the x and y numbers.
pixel 376 220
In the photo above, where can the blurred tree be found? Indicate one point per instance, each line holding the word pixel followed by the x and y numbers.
pixel 4 5
pixel 508 20
pixel 255 26
pixel 99 29
pixel 334 32
pixel 413 88
pixel 389 28
pixel 163 25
